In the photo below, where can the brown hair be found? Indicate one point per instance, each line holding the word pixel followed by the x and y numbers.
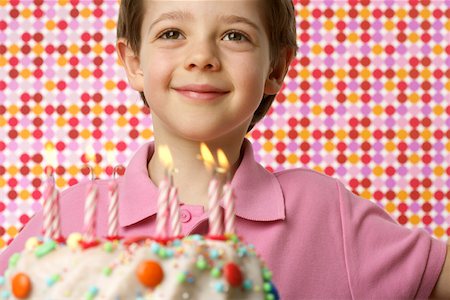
pixel 281 26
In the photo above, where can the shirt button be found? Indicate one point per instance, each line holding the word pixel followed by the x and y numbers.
pixel 185 215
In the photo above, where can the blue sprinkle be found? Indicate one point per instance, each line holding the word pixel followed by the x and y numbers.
pixel 155 248
pixel 220 287
pixel 6 294
pixel 2 280
pixel 214 253
pixel 190 279
pixel 242 251
pixel 248 284
pixel 197 237
pixel 170 253
pixel 176 243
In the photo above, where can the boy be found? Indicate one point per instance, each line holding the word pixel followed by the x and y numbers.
pixel 204 68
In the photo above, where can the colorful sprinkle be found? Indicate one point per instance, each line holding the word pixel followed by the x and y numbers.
pixel 215 272
pixel 32 243
pixel 150 273
pixel 13 260
pixel 107 271
pixel 108 247
pixel 201 263
pixel 219 287
pixel 92 293
pixel 248 284
pixel 53 279
pixel 181 277
pixel 45 248
pixel 73 240
pixel 6 294
pixel 233 274
pixel 21 285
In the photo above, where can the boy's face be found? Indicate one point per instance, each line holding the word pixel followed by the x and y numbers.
pixel 203 66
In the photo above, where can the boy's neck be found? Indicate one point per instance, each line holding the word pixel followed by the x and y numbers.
pixel 192 177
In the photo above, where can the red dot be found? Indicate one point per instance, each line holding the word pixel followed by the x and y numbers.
pixel 121 146
pixel 402 219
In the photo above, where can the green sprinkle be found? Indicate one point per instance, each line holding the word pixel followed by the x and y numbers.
pixel 267 275
pixel 267 287
pixel 107 271
pixel 234 238
pixel 181 277
pixel 162 253
pixel 108 247
pixel 215 272
pixel 45 248
pixel 270 297
pixel 14 259
pixel 201 264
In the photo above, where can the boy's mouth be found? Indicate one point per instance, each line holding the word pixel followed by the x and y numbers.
pixel 200 91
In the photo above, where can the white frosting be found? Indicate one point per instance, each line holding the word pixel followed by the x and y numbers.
pixel 193 269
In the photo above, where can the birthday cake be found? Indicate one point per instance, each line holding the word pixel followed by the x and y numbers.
pixel 193 267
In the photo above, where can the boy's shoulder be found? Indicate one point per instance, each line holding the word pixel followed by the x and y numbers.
pixel 302 176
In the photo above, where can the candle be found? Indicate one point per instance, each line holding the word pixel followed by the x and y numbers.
pixel 113 208
pixel 163 198
pixel 90 206
pixel 228 197
pixel 215 213
pixel 51 226
pixel 174 212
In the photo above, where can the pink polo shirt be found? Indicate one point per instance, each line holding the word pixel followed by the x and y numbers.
pixel 319 239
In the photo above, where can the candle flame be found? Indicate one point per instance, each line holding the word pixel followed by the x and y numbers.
pixel 51 158
pixel 165 156
pixel 90 155
pixel 207 156
pixel 224 165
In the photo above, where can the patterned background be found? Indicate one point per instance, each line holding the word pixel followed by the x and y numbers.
pixel 366 100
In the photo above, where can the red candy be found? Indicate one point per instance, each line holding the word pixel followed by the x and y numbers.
pixel 21 285
pixel 149 273
pixel 233 274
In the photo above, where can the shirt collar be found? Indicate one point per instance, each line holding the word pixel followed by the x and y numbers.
pixel 258 193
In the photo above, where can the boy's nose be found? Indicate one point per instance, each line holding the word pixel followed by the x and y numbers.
pixel 202 56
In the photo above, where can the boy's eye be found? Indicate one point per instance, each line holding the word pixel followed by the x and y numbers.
pixel 171 35
pixel 235 36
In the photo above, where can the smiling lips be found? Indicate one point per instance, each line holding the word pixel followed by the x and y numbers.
pixel 200 91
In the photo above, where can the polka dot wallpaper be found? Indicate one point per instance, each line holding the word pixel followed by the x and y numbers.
pixel 367 100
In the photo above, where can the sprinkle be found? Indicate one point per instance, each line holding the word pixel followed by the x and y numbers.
pixel 234 238
pixel 107 271
pixel 219 287
pixel 13 260
pixel 267 275
pixel 201 263
pixel 270 297
pixel 242 251
pixel 215 272
pixel 91 293
pixel 267 287
pixel 32 243
pixel 108 247
pixel 6 294
pixel 170 253
pixel 155 247
pixel 176 243
pixel 162 253
pixel 53 279
pixel 181 277
pixel 214 254
pixel 73 240
pixel 185 295
pixel 2 280
pixel 248 284
pixel 45 248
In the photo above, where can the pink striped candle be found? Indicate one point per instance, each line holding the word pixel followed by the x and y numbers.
pixel 90 209
pixel 50 195
pixel 113 209
pixel 228 201
pixel 215 212
pixel 163 208
pixel 174 212
pixel 56 227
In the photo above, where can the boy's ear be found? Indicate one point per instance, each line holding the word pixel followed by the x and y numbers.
pixel 132 65
pixel 276 77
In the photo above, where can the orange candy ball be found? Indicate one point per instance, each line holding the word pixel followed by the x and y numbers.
pixel 150 273
pixel 21 285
